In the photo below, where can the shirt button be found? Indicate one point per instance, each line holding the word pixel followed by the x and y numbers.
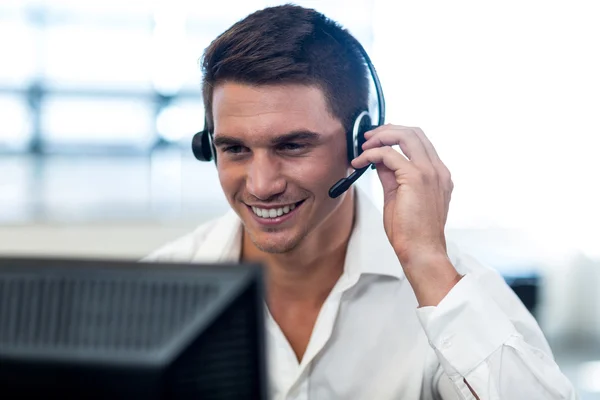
pixel 446 343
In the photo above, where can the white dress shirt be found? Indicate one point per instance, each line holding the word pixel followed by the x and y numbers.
pixel 371 342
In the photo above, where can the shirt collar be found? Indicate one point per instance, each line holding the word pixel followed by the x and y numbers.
pixel 369 250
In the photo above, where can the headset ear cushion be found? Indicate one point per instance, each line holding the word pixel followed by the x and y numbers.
pixel 356 136
pixel 202 146
pixel 364 127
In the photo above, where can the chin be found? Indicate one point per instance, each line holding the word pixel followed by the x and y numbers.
pixel 274 242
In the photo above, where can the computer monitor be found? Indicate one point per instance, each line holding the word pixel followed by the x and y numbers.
pixel 96 329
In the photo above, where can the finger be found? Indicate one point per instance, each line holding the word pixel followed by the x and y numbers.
pixel 378 129
pixel 431 151
pixel 440 167
pixel 383 127
pixel 382 155
pixel 406 138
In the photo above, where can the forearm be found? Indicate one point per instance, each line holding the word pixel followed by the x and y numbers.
pixel 481 351
pixel 432 278
pixel 431 283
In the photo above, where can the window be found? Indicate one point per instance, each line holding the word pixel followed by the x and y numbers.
pixel 99 58
pixel 15 127
pixel 94 121
pixel 19 58
pixel 178 122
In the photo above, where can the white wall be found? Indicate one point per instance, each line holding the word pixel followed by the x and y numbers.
pixel 101 240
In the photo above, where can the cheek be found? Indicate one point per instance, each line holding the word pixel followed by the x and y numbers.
pixel 334 163
pixel 317 173
pixel 231 180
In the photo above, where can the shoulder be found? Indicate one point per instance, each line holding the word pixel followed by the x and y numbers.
pixel 185 248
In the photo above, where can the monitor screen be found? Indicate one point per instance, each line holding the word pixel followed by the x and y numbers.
pixel 98 329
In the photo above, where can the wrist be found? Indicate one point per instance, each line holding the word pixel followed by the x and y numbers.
pixel 423 257
pixel 431 276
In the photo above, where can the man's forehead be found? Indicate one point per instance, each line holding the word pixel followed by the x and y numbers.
pixel 240 98
pixel 270 109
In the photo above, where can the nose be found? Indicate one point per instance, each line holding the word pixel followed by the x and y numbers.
pixel 264 179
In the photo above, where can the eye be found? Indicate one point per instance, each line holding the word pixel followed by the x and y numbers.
pixel 237 149
pixel 292 146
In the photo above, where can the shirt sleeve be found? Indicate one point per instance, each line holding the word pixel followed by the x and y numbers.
pixel 495 346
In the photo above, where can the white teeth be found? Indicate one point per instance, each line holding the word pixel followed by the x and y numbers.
pixel 273 212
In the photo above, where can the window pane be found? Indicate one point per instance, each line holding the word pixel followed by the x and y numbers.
pixel 226 14
pixel 16 189
pixel 97 121
pixel 94 188
pixel 197 40
pixel 18 63
pixel 179 121
pixel 170 63
pixel 98 57
pixel 101 8
pixel 15 123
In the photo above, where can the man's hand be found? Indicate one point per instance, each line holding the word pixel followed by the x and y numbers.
pixel 417 190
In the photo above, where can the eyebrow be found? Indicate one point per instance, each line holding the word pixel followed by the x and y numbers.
pixel 301 135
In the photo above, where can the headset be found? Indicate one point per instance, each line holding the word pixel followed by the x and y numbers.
pixel 204 149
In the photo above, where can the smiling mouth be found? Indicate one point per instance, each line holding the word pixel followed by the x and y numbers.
pixel 271 213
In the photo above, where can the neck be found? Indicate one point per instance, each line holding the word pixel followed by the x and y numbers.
pixel 307 274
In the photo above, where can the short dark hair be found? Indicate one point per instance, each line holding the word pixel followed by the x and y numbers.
pixel 290 44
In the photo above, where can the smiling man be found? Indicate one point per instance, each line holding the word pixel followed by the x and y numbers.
pixel 359 305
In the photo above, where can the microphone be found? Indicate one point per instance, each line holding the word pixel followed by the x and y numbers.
pixel 343 184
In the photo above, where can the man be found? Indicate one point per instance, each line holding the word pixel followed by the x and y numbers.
pixel 360 306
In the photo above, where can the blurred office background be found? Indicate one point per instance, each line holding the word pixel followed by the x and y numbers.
pixel 99 100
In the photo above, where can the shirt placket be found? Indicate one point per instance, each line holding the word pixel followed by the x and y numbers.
pixel 299 389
